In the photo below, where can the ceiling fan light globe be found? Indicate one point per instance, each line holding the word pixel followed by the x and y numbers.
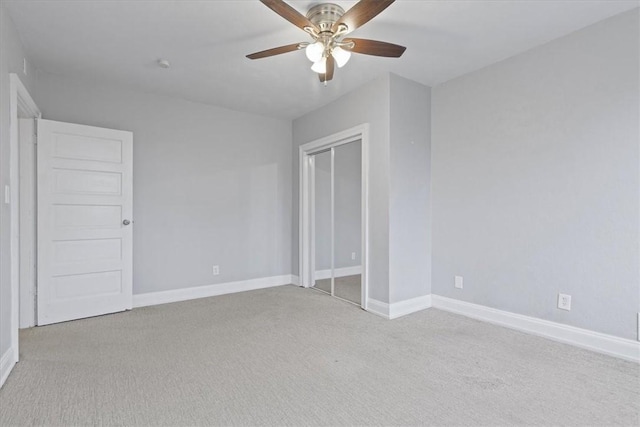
pixel 320 66
pixel 341 56
pixel 314 51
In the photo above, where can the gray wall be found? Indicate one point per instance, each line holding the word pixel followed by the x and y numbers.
pixel 535 180
pixel 11 57
pixel 211 186
pixel 410 190
pixel 347 215
pixel 368 104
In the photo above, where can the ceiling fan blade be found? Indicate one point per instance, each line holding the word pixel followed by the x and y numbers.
pixel 331 64
pixel 361 13
pixel 274 51
pixel 376 48
pixel 290 14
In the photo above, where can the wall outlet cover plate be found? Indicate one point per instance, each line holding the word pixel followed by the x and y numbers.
pixel 564 302
pixel 458 282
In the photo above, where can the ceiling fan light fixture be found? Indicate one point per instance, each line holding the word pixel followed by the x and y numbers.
pixel 320 66
pixel 341 56
pixel 314 51
pixel 327 24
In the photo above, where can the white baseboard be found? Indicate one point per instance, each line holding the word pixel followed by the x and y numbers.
pixel 175 295
pixel 400 308
pixel 7 362
pixel 295 280
pixel 339 272
pixel 590 340
pixel 378 307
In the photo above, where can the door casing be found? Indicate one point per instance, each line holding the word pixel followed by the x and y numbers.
pixel 21 106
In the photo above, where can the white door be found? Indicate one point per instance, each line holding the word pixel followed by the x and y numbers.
pixel 84 221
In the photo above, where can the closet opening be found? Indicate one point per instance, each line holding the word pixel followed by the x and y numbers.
pixel 334 240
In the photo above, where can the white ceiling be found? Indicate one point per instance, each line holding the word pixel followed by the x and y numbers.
pixel 118 42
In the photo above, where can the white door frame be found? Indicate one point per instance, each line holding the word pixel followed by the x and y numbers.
pixel 22 105
pixel 307 229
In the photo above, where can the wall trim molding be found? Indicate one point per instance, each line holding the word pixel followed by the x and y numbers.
pixel 400 308
pixel 7 362
pixel 295 280
pixel 595 341
pixel 20 101
pixel 338 272
pixel 378 308
pixel 185 294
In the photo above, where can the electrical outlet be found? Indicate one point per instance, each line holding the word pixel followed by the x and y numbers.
pixel 216 270
pixel 458 282
pixel 564 302
pixel 353 255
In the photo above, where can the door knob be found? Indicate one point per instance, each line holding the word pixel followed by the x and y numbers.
pixel 126 222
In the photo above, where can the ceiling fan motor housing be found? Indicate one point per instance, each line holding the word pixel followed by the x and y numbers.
pixel 325 15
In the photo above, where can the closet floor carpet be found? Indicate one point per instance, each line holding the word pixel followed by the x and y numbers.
pixel 293 356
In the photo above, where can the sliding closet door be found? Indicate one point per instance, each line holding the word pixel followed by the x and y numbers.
pixel 323 222
pixel 347 214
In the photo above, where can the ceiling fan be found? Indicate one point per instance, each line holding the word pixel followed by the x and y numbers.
pixel 327 24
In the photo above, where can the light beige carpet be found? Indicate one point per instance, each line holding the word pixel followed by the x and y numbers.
pixel 347 287
pixel 291 356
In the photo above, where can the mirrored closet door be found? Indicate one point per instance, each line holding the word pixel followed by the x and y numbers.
pixel 337 210
pixel 323 221
pixel 347 237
